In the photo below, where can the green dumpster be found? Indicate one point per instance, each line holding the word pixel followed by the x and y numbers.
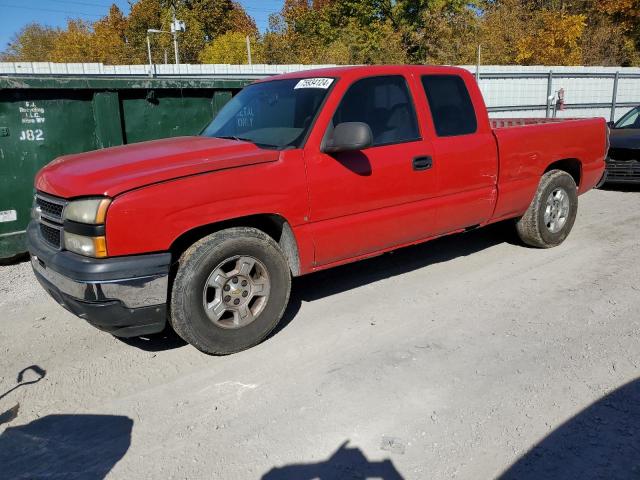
pixel 42 118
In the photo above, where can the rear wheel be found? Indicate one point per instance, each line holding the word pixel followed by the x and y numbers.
pixel 230 291
pixel 552 213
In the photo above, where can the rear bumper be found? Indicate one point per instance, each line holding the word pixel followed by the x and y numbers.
pixel 623 171
pixel 125 296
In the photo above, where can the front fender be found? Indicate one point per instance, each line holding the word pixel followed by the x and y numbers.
pixel 150 219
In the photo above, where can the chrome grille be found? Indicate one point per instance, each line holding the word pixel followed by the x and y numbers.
pixel 50 207
pixel 50 210
pixel 51 234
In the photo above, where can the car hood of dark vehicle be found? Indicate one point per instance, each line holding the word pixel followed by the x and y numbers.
pixel 625 138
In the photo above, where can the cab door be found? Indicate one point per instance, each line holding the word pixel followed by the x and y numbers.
pixel 370 200
pixel 464 149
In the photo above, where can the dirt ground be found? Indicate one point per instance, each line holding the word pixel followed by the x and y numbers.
pixel 470 357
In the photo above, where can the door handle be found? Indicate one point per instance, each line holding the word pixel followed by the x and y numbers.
pixel 422 163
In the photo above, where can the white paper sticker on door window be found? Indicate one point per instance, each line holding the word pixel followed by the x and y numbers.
pixel 323 83
pixel 8 216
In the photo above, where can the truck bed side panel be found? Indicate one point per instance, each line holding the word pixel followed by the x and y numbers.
pixel 527 151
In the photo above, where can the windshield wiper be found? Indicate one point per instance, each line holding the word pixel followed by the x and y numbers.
pixel 233 137
pixel 242 139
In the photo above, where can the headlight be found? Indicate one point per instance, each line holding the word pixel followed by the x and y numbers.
pixel 92 210
pixel 88 246
pixel 84 226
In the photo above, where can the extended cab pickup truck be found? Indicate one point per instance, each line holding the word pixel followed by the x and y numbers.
pixel 297 173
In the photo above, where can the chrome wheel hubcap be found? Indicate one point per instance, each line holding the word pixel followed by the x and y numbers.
pixel 236 292
pixel 556 210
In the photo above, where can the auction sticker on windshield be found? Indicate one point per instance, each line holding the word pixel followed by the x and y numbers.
pixel 323 83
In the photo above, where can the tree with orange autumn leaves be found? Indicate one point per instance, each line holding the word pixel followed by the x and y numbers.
pixel 526 32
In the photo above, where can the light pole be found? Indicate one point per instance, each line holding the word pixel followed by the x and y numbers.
pixel 176 26
pixel 149 50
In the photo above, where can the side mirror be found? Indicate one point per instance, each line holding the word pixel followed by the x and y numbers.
pixel 349 136
pixel 611 124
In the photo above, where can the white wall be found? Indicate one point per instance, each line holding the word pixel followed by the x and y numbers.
pixel 497 91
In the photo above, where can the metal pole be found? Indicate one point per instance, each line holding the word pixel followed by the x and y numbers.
pixel 175 46
pixel 150 59
pixel 175 34
pixel 549 85
pixel 248 50
pixel 478 64
pixel 149 50
pixel 614 97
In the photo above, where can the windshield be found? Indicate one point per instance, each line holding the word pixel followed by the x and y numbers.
pixel 274 114
pixel 630 120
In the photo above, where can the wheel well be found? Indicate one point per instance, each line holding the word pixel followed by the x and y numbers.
pixel 273 225
pixel 570 165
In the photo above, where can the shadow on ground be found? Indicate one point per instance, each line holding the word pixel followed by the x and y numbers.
pixel 341 279
pixel 621 187
pixel 65 447
pixel 19 258
pixel 159 342
pixel 601 442
pixel 12 413
pixel 20 380
pixel 344 464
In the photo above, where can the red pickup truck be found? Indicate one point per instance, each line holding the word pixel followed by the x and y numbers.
pixel 297 173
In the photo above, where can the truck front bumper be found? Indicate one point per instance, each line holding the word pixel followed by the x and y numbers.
pixel 125 296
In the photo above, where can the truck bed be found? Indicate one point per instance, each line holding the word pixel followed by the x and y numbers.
pixel 525 121
pixel 528 146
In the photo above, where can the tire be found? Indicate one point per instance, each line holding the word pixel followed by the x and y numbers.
pixel 536 230
pixel 204 296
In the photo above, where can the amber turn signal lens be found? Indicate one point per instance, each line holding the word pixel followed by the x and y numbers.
pixel 100 244
pixel 101 214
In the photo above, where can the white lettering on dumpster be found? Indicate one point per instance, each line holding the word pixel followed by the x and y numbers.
pixel 32 135
pixel 8 216
pixel 30 113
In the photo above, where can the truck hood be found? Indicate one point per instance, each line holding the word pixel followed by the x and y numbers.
pixel 115 170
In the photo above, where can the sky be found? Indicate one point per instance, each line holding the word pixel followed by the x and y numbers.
pixel 15 14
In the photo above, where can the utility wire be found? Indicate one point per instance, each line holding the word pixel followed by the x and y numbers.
pixel 21 7
pixel 87 4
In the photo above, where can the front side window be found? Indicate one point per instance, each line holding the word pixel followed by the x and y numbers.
pixel 272 114
pixel 385 105
pixel 450 105
pixel 630 120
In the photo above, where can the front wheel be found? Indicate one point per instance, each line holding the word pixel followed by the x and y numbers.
pixel 552 213
pixel 230 291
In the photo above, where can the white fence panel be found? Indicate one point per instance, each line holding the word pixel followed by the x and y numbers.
pixel 509 90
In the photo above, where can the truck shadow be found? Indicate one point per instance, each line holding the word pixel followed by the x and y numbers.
pixel 65 446
pixel 602 441
pixel 158 342
pixel 621 187
pixel 344 464
pixel 341 279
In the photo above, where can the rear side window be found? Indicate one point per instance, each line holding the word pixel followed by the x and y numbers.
pixel 384 103
pixel 450 105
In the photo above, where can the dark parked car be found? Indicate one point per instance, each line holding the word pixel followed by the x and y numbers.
pixel 623 161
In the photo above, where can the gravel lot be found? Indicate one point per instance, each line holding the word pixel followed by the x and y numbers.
pixel 470 357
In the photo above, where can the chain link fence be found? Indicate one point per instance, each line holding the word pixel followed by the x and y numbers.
pixel 509 91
